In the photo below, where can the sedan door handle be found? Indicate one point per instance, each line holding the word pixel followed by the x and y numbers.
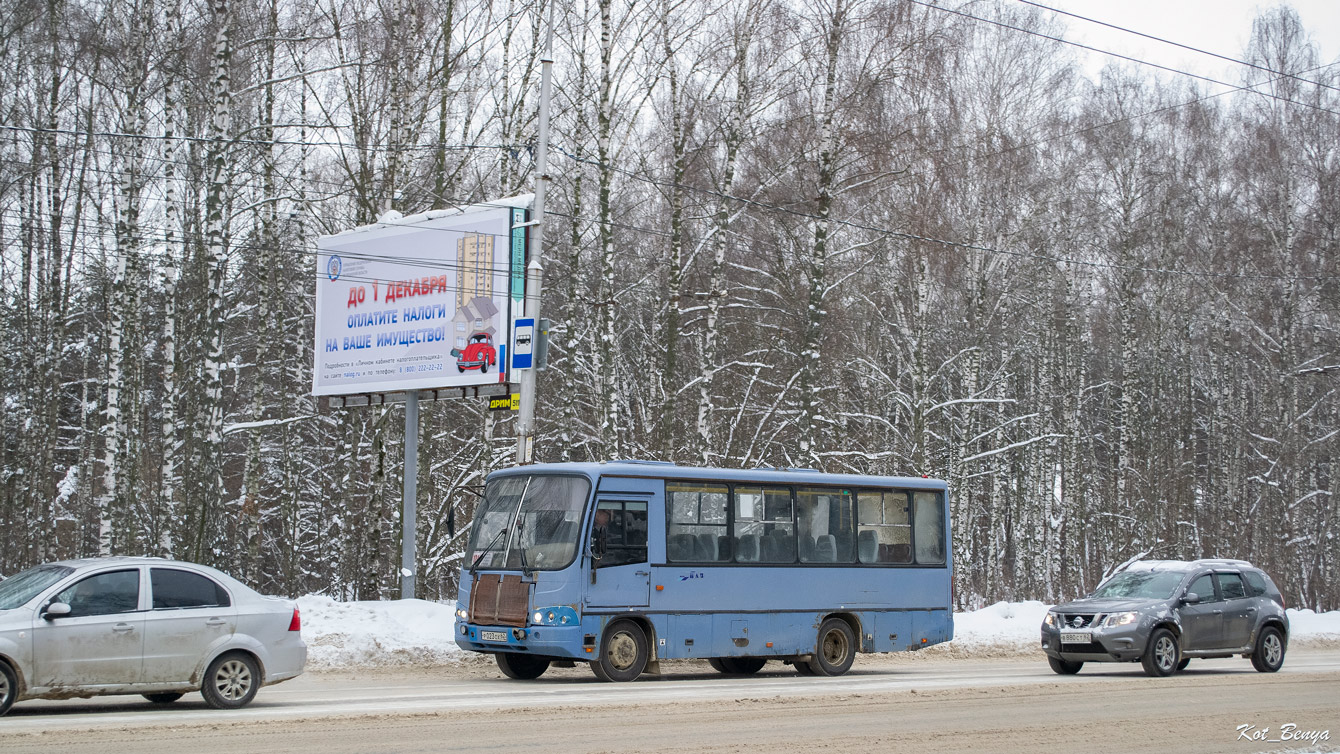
pixel 121 628
pixel 215 622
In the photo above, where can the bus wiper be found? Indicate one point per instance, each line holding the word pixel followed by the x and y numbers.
pixel 520 546
pixel 487 547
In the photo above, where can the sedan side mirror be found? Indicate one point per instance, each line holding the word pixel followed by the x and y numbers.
pixel 1191 598
pixel 56 610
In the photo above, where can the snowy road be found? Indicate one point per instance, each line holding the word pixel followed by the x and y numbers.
pixel 467 708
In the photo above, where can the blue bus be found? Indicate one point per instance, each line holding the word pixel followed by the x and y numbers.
pixel 624 564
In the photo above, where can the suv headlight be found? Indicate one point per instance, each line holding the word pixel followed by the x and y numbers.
pixel 1121 619
pixel 1050 620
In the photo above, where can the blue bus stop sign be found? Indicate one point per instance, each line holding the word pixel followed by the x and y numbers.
pixel 523 343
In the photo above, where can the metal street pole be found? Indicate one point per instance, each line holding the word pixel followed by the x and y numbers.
pixel 410 497
pixel 535 270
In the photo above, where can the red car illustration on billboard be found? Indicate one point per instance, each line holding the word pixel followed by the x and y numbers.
pixel 479 354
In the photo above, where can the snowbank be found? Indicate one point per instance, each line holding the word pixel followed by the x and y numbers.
pixel 378 634
pixel 1002 625
pixel 415 632
pixel 1306 625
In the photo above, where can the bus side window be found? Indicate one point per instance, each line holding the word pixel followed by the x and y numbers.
pixel 823 525
pixel 930 528
pixel 695 529
pixel 884 534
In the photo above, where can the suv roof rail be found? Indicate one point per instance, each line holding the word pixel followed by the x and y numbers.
pixel 1224 562
pixel 1182 565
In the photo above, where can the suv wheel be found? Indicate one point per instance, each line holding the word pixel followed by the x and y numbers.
pixel 1063 667
pixel 1162 655
pixel 1269 653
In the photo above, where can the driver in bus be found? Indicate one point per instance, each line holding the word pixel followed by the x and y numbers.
pixel 600 532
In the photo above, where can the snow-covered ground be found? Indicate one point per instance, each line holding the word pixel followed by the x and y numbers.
pixel 415 632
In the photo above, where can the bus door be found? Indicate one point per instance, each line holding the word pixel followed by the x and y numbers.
pixel 622 577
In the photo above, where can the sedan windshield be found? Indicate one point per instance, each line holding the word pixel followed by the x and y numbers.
pixel 529 522
pixel 1140 585
pixel 16 590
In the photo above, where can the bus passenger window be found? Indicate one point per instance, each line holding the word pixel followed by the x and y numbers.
pixel 823 525
pixel 695 529
pixel 883 534
pixel 764 525
pixel 930 530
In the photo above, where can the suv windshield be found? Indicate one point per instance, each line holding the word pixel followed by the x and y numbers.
pixel 1140 585
pixel 529 522
pixel 21 587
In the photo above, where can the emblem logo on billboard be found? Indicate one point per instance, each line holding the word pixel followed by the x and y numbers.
pixel 333 267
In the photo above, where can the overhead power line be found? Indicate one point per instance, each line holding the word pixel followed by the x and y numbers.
pixel 1064 41
pixel 1272 71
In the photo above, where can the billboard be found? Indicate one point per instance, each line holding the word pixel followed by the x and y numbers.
pixel 420 302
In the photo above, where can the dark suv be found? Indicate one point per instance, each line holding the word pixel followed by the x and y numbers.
pixel 1163 613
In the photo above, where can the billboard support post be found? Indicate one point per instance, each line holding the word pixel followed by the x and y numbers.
pixel 535 269
pixel 409 498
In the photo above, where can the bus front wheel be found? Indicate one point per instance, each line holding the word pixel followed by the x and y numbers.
pixel 836 649
pixel 521 667
pixel 623 652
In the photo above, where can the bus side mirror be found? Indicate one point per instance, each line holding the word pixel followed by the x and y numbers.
pixel 598 543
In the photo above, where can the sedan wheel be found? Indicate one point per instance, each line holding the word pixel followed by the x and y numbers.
pixel 231 682
pixel 9 688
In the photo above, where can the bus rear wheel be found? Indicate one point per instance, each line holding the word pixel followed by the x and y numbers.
pixel 836 648
pixel 623 652
pixel 521 667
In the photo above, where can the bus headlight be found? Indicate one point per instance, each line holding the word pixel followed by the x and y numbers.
pixel 558 615
pixel 462 614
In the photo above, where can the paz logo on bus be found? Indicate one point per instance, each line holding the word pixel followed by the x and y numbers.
pixel 692 575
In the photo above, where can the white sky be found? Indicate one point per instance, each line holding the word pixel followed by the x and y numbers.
pixel 1219 26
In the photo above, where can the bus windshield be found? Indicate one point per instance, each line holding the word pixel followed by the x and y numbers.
pixel 529 522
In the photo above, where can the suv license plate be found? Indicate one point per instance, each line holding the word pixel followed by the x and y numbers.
pixel 493 635
pixel 1076 637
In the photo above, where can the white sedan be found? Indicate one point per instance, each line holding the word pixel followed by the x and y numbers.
pixel 160 628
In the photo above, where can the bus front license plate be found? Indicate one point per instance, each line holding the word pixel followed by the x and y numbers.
pixel 1076 637
pixel 493 636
